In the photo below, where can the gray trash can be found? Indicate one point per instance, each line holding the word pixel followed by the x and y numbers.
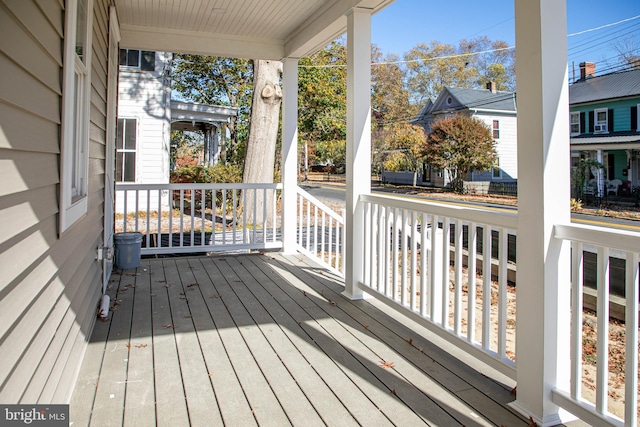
pixel 127 249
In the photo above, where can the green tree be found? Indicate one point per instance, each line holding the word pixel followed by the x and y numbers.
pixel 391 109
pixel 218 81
pixel 473 63
pixel 322 100
pixel 404 141
pixel 459 145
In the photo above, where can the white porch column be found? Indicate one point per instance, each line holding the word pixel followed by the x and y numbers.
pixel 600 177
pixel 358 143
pixel 543 278
pixel 289 153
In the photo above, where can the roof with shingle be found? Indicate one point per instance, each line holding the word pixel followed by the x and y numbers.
pixel 608 86
pixel 483 99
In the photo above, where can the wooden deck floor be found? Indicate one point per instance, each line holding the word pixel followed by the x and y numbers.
pixel 268 340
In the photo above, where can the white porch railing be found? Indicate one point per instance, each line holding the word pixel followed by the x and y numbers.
pixel 320 232
pixel 624 245
pixel 414 248
pixel 191 218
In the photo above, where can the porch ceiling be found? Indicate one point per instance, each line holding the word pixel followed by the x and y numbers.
pixel 254 29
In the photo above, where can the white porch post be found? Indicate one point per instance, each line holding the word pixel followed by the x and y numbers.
pixel 543 278
pixel 289 153
pixel 600 177
pixel 358 143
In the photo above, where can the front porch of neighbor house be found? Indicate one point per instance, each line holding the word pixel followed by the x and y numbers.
pixel 268 339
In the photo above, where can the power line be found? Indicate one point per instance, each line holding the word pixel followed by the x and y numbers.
pixel 603 26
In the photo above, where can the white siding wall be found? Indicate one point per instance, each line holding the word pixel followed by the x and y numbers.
pixel 146 96
pixel 506 146
pixel 50 284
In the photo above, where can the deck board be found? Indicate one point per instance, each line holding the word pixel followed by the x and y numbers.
pixel 108 407
pixel 268 340
pixel 140 397
pixel 231 400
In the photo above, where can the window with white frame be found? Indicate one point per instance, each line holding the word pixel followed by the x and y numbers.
pixel 143 60
pixel 75 111
pixel 600 119
pixel 126 150
pixel 575 123
pixel 638 118
pixel 496 129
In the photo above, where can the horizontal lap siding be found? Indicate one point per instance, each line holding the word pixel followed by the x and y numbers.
pixel 50 284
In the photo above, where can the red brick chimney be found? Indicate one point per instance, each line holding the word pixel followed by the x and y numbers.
pixel 492 87
pixel 587 69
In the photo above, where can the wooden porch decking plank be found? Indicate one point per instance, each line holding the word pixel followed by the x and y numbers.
pixel 412 385
pixel 264 403
pixel 231 400
pixel 336 364
pixel 171 406
pixel 84 393
pixel 289 342
pixel 140 399
pixel 108 408
pixel 471 387
pixel 278 351
pixel 295 320
pixel 201 402
pixel 389 392
pixel 294 402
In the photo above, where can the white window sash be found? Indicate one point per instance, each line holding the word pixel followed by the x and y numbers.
pixel 75 120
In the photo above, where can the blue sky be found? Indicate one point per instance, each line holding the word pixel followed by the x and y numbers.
pixel 405 23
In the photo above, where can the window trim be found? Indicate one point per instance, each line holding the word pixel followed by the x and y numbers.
pixel 140 58
pixel 638 118
pixel 495 127
pixel 599 123
pixel 74 147
pixel 571 123
pixel 120 152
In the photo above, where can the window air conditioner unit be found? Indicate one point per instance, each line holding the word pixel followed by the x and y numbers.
pixel 600 128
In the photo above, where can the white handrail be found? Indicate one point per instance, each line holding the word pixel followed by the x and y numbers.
pixel 320 232
pixel 408 246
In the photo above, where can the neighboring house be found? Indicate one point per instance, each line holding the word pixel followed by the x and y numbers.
pixel 605 127
pixel 497 109
pixel 146 117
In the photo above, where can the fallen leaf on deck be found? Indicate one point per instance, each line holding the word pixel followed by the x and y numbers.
pixel 141 345
pixel 192 285
pixel 210 374
pixel 366 327
pixel 533 423
pixel 386 364
pixel 128 346
pixel 410 341
pixel 168 326
pixel 393 391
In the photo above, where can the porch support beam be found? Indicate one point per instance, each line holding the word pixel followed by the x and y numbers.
pixel 358 143
pixel 289 153
pixel 543 278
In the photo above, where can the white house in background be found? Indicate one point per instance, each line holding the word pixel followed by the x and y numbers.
pixel 497 109
pixel 146 117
